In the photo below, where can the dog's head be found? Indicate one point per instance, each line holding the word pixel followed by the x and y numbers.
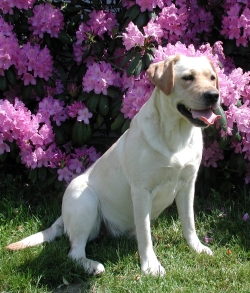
pixel 192 84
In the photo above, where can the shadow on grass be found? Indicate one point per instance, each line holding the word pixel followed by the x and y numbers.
pixel 58 273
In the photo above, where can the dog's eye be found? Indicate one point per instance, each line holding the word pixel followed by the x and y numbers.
pixel 188 77
pixel 212 77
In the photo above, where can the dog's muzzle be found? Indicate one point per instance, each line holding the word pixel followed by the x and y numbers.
pixel 202 117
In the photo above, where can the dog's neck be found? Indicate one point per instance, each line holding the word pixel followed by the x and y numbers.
pixel 167 124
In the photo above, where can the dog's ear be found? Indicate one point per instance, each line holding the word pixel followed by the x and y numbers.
pixel 161 74
pixel 214 69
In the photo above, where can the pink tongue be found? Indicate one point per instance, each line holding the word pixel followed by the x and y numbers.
pixel 206 116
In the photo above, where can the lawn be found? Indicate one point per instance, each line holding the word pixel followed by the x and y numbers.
pixel 26 209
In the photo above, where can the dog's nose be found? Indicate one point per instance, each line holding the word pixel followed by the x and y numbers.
pixel 211 96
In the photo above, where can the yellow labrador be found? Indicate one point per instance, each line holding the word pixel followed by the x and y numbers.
pixel 154 163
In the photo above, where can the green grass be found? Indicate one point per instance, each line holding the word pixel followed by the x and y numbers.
pixel 26 209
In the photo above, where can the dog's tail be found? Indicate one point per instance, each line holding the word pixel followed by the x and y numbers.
pixel 48 235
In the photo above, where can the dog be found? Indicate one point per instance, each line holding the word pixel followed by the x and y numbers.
pixel 152 164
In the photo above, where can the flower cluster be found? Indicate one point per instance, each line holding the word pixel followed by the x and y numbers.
pixel 236 24
pixel 34 62
pixel 46 19
pixel 7 5
pixel 137 92
pixel 79 110
pixel 75 163
pixel 10 50
pixel 212 154
pixel 173 21
pixel 134 37
pixel 100 22
pixel 99 77
pixel 35 138
pixel 52 109
pixel 149 5
pixel 17 123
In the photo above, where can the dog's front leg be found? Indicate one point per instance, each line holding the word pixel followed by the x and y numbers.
pixel 142 204
pixel 184 201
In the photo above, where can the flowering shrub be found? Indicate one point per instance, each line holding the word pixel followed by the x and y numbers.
pixel 72 76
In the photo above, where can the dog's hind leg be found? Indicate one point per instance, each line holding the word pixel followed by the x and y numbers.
pixel 82 223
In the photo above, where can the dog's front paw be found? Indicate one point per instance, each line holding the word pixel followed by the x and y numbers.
pixel 200 248
pixel 153 267
pixel 93 267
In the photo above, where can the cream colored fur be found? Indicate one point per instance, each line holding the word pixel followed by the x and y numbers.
pixel 154 163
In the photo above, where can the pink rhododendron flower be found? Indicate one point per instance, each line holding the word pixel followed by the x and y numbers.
pixel 64 174
pixel 236 24
pixel 133 36
pixel 173 21
pixel 52 108
pixel 153 30
pixel 46 19
pixel 149 5
pixel 9 47
pixel 245 217
pixel 79 110
pixel 34 62
pixel 138 91
pixel 84 115
pixel 99 77
pixel 101 22
pixel 7 5
pixel 208 239
pixel 212 154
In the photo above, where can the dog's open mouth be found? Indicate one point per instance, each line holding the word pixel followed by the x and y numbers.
pixel 200 118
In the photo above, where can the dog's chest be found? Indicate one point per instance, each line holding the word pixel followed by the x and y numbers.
pixel 168 181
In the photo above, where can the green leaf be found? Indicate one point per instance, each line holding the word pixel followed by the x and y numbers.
pixel 148 59
pixel 81 72
pixel 223 119
pixel 65 38
pixel 134 64
pixel 99 47
pixel 126 125
pixel 33 175
pixel 128 58
pixel 142 19
pixel 47 40
pixel 93 102
pixel 138 68
pixel 51 179
pixel 50 82
pixel 74 22
pixel 61 137
pixel 74 69
pixel 42 173
pixel 115 106
pixel 99 119
pixel 119 120
pixel 3 83
pixel 26 92
pixel 84 96
pixel 39 88
pixel 81 133
pixel 96 2
pixel 87 52
pixel 229 46
pixel 103 105
pixel 133 12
